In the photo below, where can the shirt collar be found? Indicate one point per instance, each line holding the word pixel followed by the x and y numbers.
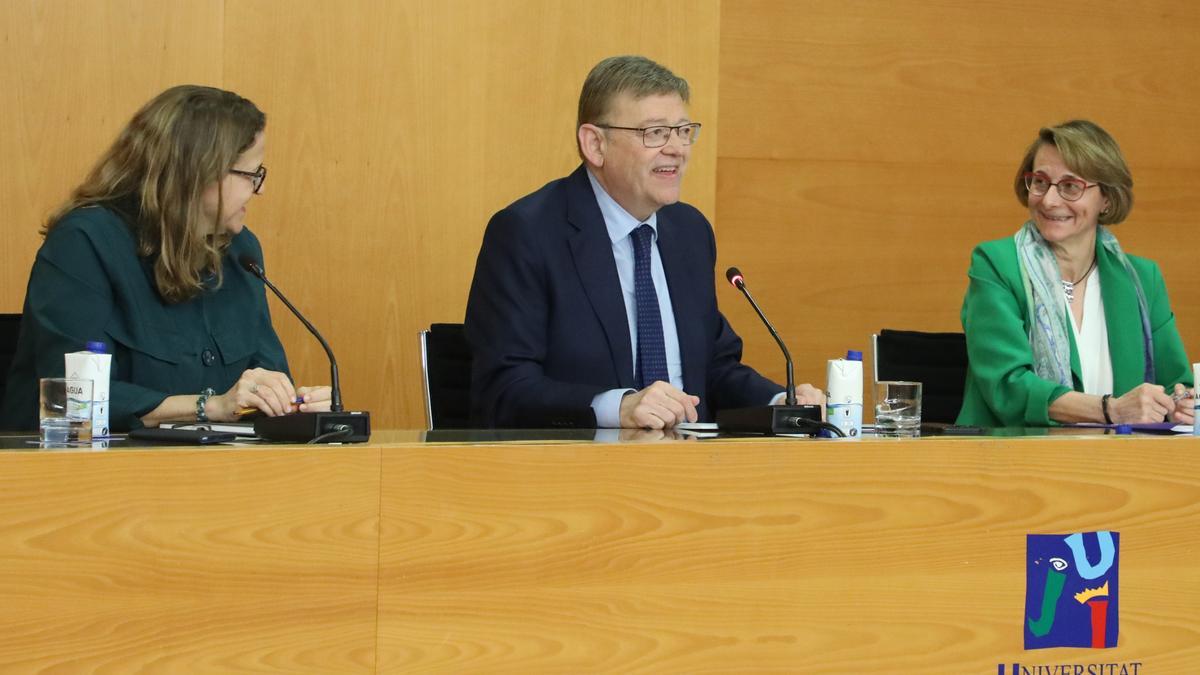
pixel 616 219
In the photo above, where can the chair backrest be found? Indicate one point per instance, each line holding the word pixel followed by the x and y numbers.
pixel 10 328
pixel 937 360
pixel 446 370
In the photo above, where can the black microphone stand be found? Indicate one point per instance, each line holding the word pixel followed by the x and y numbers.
pixel 335 426
pixel 787 356
pixel 335 384
pixel 772 419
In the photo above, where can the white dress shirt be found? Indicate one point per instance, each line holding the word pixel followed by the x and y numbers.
pixel 1091 341
pixel 620 225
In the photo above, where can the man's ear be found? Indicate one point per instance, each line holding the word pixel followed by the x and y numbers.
pixel 592 144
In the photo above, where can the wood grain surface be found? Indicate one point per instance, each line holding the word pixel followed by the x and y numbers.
pixel 189 561
pixel 760 556
pixel 870 557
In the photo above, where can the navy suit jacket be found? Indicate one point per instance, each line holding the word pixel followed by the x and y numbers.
pixel 546 317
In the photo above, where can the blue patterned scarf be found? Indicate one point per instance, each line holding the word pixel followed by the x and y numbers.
pixel 1049 334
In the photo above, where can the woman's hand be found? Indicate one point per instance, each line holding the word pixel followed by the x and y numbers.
pixel 1145 403
pixel 316 399
pixel 1185 405
pixel 266 390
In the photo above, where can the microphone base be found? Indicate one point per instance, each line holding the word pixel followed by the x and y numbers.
pixel 304 427
pixel 771 420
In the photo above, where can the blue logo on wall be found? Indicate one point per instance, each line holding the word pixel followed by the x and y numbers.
pixel 1071 590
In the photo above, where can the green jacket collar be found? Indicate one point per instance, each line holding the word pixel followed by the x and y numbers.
pixel 1124 337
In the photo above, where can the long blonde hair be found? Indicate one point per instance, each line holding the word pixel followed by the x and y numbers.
pixel 182 141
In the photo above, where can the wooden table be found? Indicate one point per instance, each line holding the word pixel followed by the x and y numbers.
pixel 767 555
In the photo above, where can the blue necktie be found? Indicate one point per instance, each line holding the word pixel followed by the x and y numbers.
pixel 651 350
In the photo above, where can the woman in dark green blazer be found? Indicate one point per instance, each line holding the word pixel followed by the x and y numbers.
pixel 1062 325
pixel 144 257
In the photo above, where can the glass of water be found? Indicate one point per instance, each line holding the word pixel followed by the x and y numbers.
pixel 898 408
pixel 65 410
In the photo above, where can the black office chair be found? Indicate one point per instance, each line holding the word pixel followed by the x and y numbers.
pixel 10 328
pixel 937 360
pixel 446 370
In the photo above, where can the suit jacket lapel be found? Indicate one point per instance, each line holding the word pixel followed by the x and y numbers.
pixel 672 249
pixel 593 256
pixel 1124 325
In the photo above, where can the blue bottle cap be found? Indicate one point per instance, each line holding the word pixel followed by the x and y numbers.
pixel 97 347
pixel 1124 429
pixel 852 355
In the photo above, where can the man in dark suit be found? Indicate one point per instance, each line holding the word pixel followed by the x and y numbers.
pixel 594 300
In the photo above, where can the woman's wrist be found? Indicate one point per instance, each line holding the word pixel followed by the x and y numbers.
pixel 202 405
pixel 216 409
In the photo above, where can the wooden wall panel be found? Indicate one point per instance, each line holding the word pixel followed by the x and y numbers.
pixel 72 72
pixel 866 147
pixel 397 129
pixel 189 561
pixel 863 148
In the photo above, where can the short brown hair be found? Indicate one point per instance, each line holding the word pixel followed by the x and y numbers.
pixel 616 75
pixel 1091 153
pixel 180 142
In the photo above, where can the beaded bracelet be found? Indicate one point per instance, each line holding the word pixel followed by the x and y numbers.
pixel 1104 408
pixel 202 402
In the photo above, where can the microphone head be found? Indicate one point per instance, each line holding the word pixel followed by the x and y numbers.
pixel 249 264
pixel 734 276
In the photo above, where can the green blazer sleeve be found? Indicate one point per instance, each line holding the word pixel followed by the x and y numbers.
pixel 88 283
pixel 1171 363
pixel 1002 388
pixel 70 300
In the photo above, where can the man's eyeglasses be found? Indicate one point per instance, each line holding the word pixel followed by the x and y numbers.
pixel 257 178
pixel 1069 189
pixel 657 136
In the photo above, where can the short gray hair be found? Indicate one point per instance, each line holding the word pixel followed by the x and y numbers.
pixel 616 75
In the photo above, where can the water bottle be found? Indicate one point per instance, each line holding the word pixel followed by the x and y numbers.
pixel 93 364
pixel 844 394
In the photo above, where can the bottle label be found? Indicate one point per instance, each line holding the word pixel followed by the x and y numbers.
pixel 845 416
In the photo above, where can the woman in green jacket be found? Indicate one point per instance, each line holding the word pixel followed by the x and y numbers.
pixel 144 256
pixel 1062 325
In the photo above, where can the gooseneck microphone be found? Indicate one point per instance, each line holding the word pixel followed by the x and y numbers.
pixel 336 425
pixel 251 265
pixel 772 419
pixel 734 275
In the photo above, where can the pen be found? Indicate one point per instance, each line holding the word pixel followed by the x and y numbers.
pixel 1186 393
pixel 251 410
